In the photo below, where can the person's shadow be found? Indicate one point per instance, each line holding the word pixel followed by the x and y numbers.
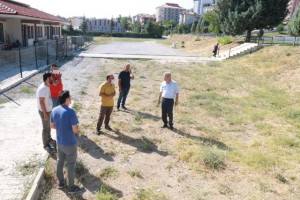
pixel 90 147
pixel 90 183
pixel 142 144
pixel 206 141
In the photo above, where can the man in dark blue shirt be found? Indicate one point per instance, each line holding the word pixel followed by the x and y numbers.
pixel 124 86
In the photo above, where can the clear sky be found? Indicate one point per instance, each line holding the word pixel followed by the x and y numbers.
pixel 101 8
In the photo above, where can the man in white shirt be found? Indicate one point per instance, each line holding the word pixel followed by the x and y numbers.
pixel 169 91
pixel 44 104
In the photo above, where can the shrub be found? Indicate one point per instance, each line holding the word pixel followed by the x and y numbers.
pixel 224 40
pixel 280 28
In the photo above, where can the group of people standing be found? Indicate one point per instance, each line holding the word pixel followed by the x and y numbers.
pixel 53 105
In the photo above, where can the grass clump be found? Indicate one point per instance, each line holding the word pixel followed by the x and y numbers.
pixel 258 159
pixel 281 178
pixel 104 194
pixel 109 172
pixel 148 194
pixel 135 173
pixel 213 160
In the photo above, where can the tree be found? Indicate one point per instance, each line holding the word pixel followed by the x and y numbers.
pixel 198 27
pixel 294 23
pixel 211 21
pixel 181 28
pixel 154 29
pixel 193 28
pixel 112 25
pixel 136 27
pixel 83 25
pixel 237 16
pixel 125 23
pixel 70 28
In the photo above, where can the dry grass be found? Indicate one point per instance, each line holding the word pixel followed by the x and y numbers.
pixel 236 130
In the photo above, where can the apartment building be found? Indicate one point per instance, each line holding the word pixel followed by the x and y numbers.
pixel 143 18
pixel 292 6
pixel 200 6
pixel 188 17
pixel 168 11
pixel 76 22
pixel 103 25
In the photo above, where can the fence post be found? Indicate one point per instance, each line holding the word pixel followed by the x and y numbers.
pixel 66 45
pixel 283 40
pixel 35 54
pixel 20 62
pixel 47 53
pixel 294 43
pixel 229 52
pixel 272 41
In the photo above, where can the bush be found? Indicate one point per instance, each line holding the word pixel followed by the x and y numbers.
pixel 280 28
pixel 224 40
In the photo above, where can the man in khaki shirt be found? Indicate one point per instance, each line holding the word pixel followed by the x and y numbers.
pixel 106 93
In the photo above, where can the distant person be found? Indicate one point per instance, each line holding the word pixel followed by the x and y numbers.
pixel 216 50
pixel 169 94
pixel 44 104
pixel 65 121
pixel 106 93
pixel 56 86
pixel 124 86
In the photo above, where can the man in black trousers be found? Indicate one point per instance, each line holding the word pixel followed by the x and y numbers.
pixel 169 94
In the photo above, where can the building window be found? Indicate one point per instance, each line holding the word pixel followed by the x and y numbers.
pixel 39 31
pixel 1 33
pixel 30 31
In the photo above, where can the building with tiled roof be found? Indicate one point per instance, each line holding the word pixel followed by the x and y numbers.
pixel 143 18
pixel 188 17
pixel 19 21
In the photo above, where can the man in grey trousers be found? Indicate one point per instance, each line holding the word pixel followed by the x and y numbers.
pixel 65 121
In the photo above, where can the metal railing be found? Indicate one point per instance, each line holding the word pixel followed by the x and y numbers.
pixel 277 40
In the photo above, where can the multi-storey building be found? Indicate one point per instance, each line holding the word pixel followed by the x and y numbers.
pixel 76 22
pixel 292 5
pixel 103 25
pixel 188 17
pixel 168 11
pixel 200 5
pixel 143 18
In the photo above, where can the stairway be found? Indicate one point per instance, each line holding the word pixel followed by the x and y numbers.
pixel 239 50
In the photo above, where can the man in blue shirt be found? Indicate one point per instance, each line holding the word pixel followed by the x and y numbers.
pixel 124 86
pixel 169 91
pixel 65 121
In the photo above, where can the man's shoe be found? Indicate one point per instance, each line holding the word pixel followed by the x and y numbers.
pixel 76 189
pixel 171 128
pixel 165 126
pixel 124 108
pixel 61 185
pixel 108 128
pixel 98 131
pixel 118 108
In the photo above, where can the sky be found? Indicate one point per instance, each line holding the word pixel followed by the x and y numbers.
pixel 101 8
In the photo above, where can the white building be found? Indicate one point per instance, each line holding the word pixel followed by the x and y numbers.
pixel 168 11
pixel 76 22
pixel 200 5
pixel 188 17
pixel 103 25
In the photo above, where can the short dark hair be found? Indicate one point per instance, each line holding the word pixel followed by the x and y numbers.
pixel 108 75
pixel 46 75
pixel 63 95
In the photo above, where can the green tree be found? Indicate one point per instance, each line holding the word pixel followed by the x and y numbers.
pixel 181 28
pixel 112 25
pixel 83 25
pixel 154 29
pixel 125 23
pixel 211 22
pixel 193 28
pixel 198 27
pixel 237 16
pixel 294 23
pixel 70 28
pixel 136 27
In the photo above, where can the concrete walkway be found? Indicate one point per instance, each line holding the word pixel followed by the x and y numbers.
pixel 20 126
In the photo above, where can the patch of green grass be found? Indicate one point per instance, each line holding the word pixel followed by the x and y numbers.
pixel 105 194
pixel 135 173
pixel 293 113
pixel 213 159
pixel 27 90
pixel 29 167
pixel 109 172
pixel 258 159
pixel 149 194
pixel 147 144
pixel 225 189
pixel 264 128
pixel 77 106
pixel 3 101
pixel 285 141
pixel 281 178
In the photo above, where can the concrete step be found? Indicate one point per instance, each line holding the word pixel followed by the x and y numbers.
pixel 239 50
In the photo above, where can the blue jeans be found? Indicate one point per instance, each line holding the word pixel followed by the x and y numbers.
pixel 122 97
